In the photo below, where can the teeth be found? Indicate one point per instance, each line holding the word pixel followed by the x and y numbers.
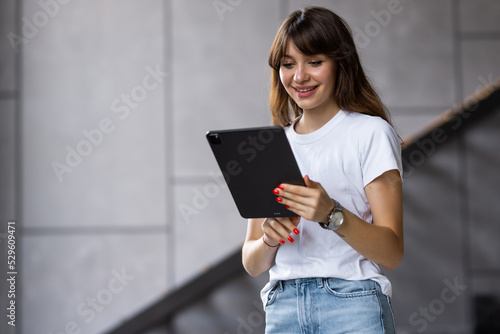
pixel 304 90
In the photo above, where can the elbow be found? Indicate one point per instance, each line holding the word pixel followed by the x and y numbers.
pixel 395 261
pixel 254 272
pixel 249 266
pixel 392 265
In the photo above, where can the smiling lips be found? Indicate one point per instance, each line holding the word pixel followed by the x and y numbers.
pixel 305 91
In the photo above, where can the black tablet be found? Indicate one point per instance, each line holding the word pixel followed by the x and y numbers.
pixel 253 162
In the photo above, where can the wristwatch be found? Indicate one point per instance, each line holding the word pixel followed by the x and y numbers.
pixel 335 218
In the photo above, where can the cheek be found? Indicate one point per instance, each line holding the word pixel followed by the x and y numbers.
pixel 285 81
pixel 323 76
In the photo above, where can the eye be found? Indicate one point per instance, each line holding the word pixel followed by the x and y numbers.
pixel 316 63
pixel 287 65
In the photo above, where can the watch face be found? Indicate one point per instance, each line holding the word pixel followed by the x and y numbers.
pixel 337 219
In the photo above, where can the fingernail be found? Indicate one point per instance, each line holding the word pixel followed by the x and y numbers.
pixel 279 199
pixel 282 241
pixel 286 206
pixel 276 191
pixel 296 231
pixel 290 239
pixel 281 187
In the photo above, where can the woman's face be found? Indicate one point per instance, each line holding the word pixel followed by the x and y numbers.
pixel 309 80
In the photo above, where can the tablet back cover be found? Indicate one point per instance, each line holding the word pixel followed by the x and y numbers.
pixel 253 162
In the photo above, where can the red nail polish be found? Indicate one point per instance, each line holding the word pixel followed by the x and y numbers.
pixel 282 241
pixel 281 187
pixel 290 239
pixel 276 191
pixel 296 231
pixel 279 199
pixel 286 206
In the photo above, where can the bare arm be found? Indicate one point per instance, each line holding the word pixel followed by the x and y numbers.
pixel 382 242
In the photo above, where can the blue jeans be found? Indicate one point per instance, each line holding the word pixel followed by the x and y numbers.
pixel 328 306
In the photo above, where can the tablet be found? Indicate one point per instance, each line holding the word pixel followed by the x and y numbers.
pixel 254 161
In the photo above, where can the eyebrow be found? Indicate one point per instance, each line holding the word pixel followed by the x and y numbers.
pixel 307 57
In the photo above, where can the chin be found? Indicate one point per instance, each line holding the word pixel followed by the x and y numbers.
pixel 306 106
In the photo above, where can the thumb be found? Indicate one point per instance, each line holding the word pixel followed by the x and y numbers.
pixel 310 183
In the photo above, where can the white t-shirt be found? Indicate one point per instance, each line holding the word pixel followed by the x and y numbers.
pixel 344 155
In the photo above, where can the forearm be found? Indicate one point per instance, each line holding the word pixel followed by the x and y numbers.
pixel 377 243
pixel 257 256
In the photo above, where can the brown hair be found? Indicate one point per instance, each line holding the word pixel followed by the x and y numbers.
pixel 316 30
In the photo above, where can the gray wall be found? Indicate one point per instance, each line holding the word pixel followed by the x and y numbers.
pixel 142 198
pixel 9 104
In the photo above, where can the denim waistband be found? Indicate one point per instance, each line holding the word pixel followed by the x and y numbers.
pixel 331 281
pixel 319 281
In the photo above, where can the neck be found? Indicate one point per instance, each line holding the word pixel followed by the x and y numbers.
pixel 313 119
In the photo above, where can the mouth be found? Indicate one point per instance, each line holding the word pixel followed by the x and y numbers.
pixel 305 89
pixel 303 92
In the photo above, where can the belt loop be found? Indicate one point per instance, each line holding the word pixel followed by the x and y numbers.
pixel 280 286
pixel 320 282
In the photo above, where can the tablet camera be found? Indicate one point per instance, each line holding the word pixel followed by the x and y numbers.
pixel 215 139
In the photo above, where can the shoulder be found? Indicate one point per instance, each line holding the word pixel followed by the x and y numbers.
pixel 367 126
pixel 364 121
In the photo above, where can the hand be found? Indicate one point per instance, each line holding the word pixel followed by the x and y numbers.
pixel 277 230
pixel 311 202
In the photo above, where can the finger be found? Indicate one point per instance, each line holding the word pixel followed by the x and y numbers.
pixel 290 189
pixel 270 235
pixel 300 209
pixel 294 193
pixel 290 223
pixel 312 184
pixel 293 201
pixel 307 181
pixel 277 230
pixel 289 228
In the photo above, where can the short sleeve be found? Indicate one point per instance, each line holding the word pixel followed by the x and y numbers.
pixel 379 149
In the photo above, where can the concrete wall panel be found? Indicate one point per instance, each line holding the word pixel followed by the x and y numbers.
pixel 220 73
pixel 7 51
pixel 91 281
pixel 99 67
pixel 207 217
pixel 480 64
pixel 479 16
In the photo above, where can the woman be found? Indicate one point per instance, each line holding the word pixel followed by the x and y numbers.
pixel 324 265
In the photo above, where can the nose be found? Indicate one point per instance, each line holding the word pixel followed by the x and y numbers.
pixel 300 74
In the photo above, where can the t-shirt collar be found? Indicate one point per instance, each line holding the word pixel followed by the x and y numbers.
pixel 318 134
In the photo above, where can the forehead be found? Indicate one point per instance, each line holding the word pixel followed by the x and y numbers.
pixel 291 51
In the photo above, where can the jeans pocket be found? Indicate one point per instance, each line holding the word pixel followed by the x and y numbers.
pixel 350 289
pixel 271 297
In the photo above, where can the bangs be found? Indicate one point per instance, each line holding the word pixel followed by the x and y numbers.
pixel 310 36
pixel 311 39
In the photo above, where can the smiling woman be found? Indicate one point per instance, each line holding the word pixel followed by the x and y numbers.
pixel 350 217
pixel 327 37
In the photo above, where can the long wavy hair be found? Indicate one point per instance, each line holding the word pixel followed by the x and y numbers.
pixel 316 30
